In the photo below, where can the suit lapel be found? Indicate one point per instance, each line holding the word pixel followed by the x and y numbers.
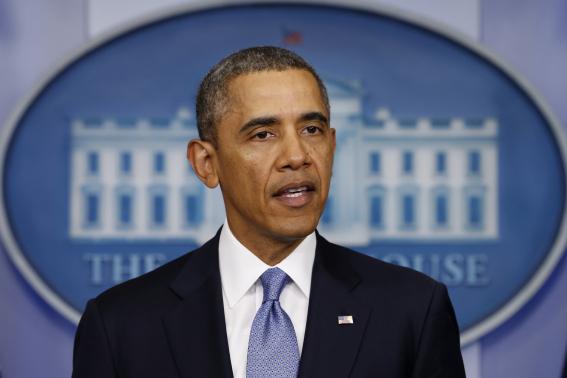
pixel 330 349
pixel 196 327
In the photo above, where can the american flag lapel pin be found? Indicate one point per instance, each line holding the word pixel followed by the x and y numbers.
pixel 345 319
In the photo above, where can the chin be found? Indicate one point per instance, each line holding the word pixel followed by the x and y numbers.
pixel 294 228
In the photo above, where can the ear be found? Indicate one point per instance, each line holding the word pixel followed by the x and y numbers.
pixel 202 156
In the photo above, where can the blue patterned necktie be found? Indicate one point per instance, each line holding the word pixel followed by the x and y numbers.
pixel 272 349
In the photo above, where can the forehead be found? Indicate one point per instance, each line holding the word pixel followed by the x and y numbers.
pixel 266 89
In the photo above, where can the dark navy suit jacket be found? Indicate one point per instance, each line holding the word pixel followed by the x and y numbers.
pixel 170 322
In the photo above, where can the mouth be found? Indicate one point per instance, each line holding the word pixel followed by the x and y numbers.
pixel 295 194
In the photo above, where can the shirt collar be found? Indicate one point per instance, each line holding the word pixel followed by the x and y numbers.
pixel 240 268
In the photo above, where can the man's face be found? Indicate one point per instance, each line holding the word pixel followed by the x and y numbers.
pixel 275 155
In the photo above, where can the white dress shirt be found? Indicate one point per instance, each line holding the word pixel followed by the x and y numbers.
pixel 242 291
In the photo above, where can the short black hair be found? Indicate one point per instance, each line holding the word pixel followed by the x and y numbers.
pixel 212 97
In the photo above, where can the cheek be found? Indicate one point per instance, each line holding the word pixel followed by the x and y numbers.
pixel 250 171
pixel 324 156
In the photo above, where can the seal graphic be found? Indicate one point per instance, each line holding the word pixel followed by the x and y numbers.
pixel 446 162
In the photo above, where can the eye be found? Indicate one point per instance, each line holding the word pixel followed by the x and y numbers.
pixel 262 135
pixel 312 130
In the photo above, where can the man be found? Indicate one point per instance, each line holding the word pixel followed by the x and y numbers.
pixel 268 296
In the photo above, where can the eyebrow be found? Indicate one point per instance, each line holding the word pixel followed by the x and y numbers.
pixel 314 116
pixel 260 121
pixel 270 120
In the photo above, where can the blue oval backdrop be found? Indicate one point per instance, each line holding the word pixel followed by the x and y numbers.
pixel 444 163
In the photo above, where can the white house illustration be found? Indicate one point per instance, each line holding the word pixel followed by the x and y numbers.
pixel 393 179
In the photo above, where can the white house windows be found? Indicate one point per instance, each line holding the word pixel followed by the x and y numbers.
pixel 158 206
pixel 393 180
pixel 125 163
pixel 441 163
pixel 441 210
pixel 91 206
pixel 93 209
pixel 125 206
pixel 475 207
pixel 474 163
pixel 159 163
pixel 407 162
pixel 433 204
pixel 92 163
pixel 126 193
pixel 91 194
pixel 441 207
pixel 193 211
pixel 408 210
pixel 375 163
pixel 158 209
pixel 376 200
pixel 408 205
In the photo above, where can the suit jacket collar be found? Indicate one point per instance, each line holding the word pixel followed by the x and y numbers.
pixel 196 327
pixel 330 348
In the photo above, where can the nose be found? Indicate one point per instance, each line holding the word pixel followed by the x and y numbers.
pixel 294 153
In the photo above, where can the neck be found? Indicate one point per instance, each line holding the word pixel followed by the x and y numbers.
pixel 269 249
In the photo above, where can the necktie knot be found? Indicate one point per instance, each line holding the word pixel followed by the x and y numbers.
pixel 273 281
